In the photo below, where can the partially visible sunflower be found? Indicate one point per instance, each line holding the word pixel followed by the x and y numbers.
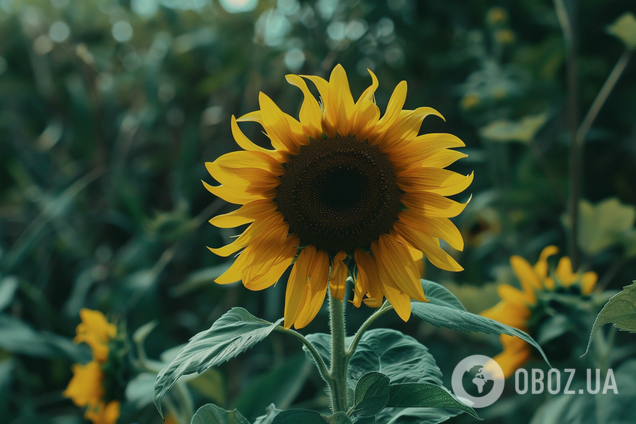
pixel 343 191
pixel 520 308
pixel 92 384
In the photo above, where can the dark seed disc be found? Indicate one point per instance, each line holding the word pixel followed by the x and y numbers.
pixel 339 194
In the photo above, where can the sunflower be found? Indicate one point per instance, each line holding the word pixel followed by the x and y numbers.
pixel 520 308
pixel 88 387
pixel 344 192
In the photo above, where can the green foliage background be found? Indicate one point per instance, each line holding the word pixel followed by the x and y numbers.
pixel 109 110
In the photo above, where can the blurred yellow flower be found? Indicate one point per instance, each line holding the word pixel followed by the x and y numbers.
pixel 515 308
pixel 95 331
pixel 497 15
pixel 504 36
pixel 341 185
pixel 470 101
pixel 86 388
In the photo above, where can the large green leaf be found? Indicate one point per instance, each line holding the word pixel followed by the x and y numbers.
pixel 459 319
pixel 305 416
pixel 620 310
pixel 424 395
pixel 233 333
pixel 401 358
pixel 371 394
pixel 212 414
pixel 440 295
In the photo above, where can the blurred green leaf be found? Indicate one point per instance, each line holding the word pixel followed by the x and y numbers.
pixel 423 395
pixel 236 331
pixel 279 386
pixel 211 385
pixel 8 287
pixel 620 310
pixel 212 414
pixel 18 337
pixel 523 130
pixel 624 28
pixel 140 389
pixel 305 416
pixel 604 224
pixel 371 394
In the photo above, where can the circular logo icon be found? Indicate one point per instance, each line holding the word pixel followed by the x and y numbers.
pixel 478 381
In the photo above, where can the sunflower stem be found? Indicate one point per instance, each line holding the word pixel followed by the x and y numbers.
pixel 339 358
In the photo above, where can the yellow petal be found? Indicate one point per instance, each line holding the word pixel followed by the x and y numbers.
pixel 95 331
pixel 369 279
pixel 516 353
pixel 393 109
pixel 297 293
pixel 85 388
pixel 433 180
pixel 588 282
pixel 405 128
pixel 238 197
pixel 272 255
pixel 441 228
pixel 340 102
pixel 395 263
pixel 524 272
pixel 247 213
pixel 427 244
pixel 280 126
pixel 338 276
pixel 255 230
pixel 514 315
pixel 247 144
pixel 564 272
pixel 541 267
pixel 316 290
pixel 514 295
pixel 310 113
pixel 418 257
pixel 103 414
pixel 432 204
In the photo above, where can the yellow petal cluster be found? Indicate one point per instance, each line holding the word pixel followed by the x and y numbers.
pixel 390 267
pixel 86 388
pixel 515 307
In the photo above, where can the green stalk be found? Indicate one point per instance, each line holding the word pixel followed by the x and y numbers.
pixel 339 358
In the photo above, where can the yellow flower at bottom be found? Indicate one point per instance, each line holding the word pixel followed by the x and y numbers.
pixel 104 413
pixel 516 307
pixel 85 388
pixel 95 331
pixel 343 191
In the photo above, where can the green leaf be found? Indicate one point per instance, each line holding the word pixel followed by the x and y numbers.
pixel 268 418
pixel 505 130
pixel 401 358
pixel 587 408
pixel 440 295
pixel 442 316
pixel 620 310
pixel 305 416
pixel 212 414
pixel 423 395
pixel 371 394
pixel 8 287
pixel 624 28
pixel 604 224
pixel 365 420
pixel 414 415
pixel 18 337
pixel 230 335
pixel 139 390
pixel 279 386
pixel 211 385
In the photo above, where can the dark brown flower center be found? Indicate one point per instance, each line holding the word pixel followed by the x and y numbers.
pixel 338 194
